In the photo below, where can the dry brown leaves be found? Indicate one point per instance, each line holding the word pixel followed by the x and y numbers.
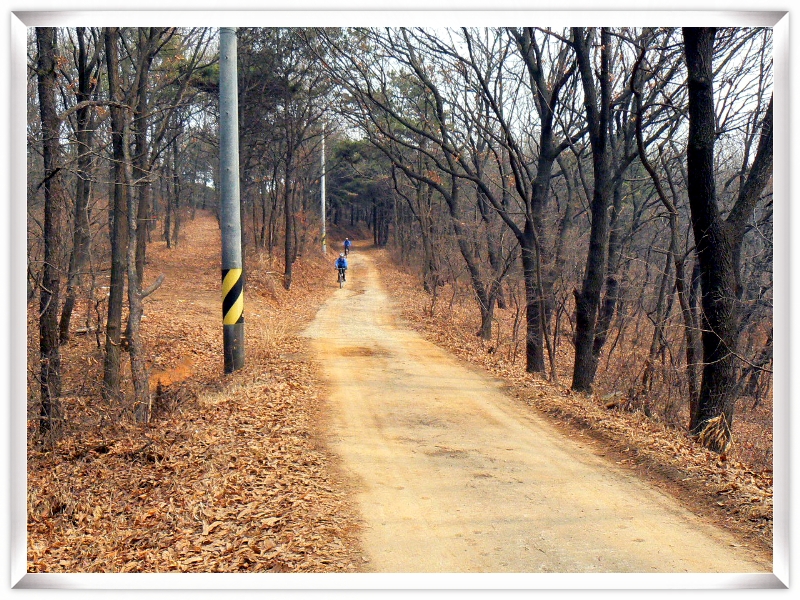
pixel 229 476
pixel 728 491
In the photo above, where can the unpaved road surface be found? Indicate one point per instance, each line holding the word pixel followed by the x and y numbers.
pixel 453 475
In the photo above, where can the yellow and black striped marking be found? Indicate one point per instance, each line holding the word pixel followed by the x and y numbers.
pixel 232 297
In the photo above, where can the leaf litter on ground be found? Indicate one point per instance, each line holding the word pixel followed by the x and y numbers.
pixel 230 475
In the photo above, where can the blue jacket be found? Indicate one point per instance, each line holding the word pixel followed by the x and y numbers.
pixel 347 243
pixel 341 263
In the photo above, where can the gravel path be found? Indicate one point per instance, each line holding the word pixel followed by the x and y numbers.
pixel 453 476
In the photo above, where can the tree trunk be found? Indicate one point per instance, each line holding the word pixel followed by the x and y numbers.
pixel 760 173
pixel 540 279
pixel 564 228
pixel 718 241
pixel 486 307
pixel 534 344
pixel 609 303
pixel 714 249
pixel 693 366
pixel 49 353
pixel 751 376
pixel 139 373
pixel 140 170
pixel 274 217
pixel 262 194
pixel 80 236
pixel 137 180
pixel 685 293
pixel 288 242
pixel 176 188
pixel 659 320
pixel 493 249
pixel 119 232
pixel 430 273
pixel 168 213
pixel 588 300
pixel 248 192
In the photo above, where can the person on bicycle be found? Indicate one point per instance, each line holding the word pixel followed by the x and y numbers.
pixel 341 264
pixel 347 244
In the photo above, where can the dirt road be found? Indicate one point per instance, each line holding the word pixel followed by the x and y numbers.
pixel 455 476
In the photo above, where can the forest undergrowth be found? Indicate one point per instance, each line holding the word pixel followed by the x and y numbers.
pixel 230 475
pixel 733 490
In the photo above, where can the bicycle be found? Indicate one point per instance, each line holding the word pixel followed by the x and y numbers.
pixel 341 276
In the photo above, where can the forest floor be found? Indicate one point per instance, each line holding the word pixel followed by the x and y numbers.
pixel 239 473
pixel 230 475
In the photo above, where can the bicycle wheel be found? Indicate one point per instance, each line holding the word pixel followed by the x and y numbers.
pixel 341 279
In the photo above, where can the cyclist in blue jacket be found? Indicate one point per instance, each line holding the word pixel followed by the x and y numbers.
pixel 341 263
pixel 347 244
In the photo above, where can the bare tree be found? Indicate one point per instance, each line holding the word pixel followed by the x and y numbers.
pixel 88 79
pixel 49 354
pixel 598 114
pixel 718 240
pixel 283 98
pixel 119 228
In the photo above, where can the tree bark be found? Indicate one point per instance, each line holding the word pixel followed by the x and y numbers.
pixel 714 249
pixel 176 188
pixel 486 307
pixel 539 281
pixel 759 175
pixel 288 242
pixel 119 231
pixel 659 322
pixel 751 376
pixel 693 366
pixel 608 305
pixel 139 373
pixel 80 236
pixel 49 353
pixel 588 300
pixel 168 182
pixel 718 242
pixel 140 167
pixel 534 344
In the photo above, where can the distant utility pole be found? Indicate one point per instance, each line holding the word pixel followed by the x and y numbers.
pixel 232 281
pixel 322 193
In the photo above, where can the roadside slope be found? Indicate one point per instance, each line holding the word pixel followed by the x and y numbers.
pixel 230 475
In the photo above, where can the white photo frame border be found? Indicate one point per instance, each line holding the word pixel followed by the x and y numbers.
pixel 21 579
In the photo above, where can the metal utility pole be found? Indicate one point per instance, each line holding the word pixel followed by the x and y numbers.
pixel 322 194
pixel 230 223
